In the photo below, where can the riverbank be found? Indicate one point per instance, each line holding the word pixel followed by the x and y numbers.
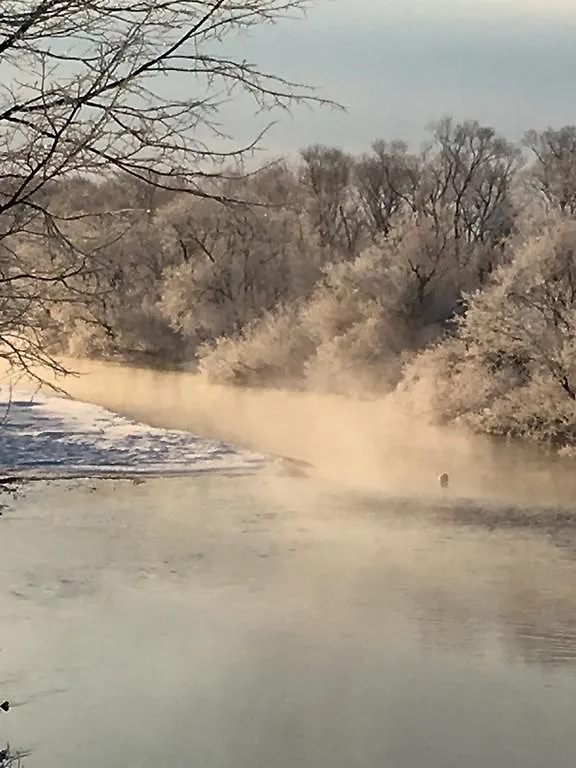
pixel 47 436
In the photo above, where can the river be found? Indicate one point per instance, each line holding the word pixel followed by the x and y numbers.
pixel 270 622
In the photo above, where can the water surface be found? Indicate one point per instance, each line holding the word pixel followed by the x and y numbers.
pixel 242 622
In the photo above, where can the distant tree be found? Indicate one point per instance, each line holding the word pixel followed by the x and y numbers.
pixel 526 320
pixel 116 315
pixel 234 267
pixel 364 316
pixel 512 367
pixel 386 180
pixel 327 174
pixel 469 171
pixel 84 93
pixel 553 172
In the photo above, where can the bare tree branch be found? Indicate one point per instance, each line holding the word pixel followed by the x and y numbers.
pixel 91 88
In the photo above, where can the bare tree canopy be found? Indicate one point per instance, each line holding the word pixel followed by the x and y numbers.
pixel 89 88
pixel 85 84
pixel 553 173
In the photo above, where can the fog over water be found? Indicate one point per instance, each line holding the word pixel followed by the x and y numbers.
pixel 369 443
pixel 353 618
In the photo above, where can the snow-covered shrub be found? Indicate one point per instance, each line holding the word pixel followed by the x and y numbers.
pixel 363 319
pixel 269 351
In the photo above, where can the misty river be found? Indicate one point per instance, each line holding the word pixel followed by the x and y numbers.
pixel 351 619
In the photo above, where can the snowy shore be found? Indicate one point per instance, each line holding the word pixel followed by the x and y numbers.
pixel 45 435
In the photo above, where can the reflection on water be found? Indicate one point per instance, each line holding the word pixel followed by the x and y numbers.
pixel 241 622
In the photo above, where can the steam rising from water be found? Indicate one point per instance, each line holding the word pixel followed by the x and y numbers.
pixel 321 627
pixel 369 444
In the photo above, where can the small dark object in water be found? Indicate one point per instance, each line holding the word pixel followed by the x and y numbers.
pixel 444 479
pixel 5 706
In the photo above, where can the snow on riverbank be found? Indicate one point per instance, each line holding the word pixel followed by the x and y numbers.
pixel 46 436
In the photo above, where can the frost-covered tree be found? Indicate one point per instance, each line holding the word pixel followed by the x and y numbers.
pixel 365 314
pixel 234 266
pixel 512 368
pixel 121 319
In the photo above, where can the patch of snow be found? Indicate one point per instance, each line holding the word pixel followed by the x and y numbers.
pixel 47 435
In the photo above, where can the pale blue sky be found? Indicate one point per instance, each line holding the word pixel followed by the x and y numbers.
pixel 398 64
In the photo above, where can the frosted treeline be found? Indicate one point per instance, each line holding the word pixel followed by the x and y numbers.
pixel 446 274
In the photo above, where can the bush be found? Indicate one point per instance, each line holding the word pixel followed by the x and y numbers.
pixel 269 351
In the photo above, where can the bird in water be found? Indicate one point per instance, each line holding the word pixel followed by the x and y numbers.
pixel 444 480
pixel 5 706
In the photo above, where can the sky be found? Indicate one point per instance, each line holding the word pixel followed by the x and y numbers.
pixel 397 65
